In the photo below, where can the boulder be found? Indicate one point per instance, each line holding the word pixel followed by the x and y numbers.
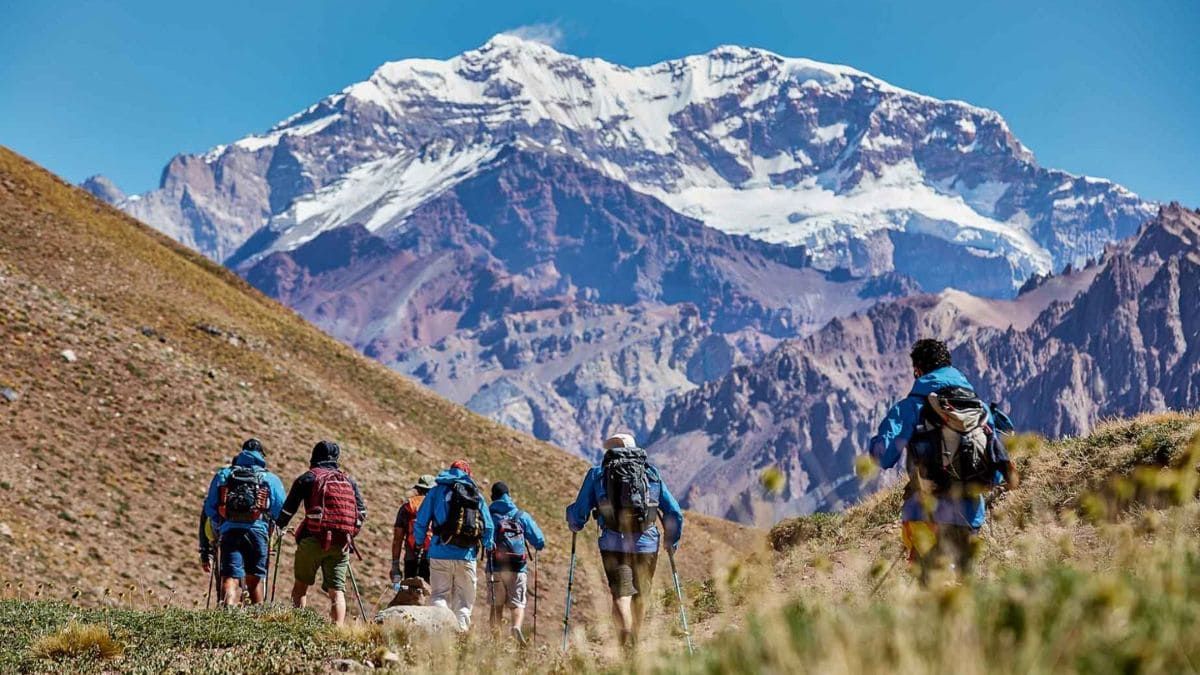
pixel 418 623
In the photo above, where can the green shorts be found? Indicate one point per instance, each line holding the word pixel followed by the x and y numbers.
pixel 333 564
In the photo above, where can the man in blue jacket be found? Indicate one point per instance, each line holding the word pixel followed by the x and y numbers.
pixel 458 515
pixel 629 533
pixel 243 500
pixel 514 532
pixel 945 518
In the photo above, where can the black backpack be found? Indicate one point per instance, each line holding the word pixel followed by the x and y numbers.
pixel 244 497
pixel 464 516
pixel 953 443
pixel 628 504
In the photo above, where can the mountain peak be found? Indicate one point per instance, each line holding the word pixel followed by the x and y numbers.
pixel 103 189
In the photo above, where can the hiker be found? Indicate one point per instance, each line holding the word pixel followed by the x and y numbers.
pixel 627 496
pixel 457 515
pixel 415 555
pixel 243 500
pixel 954 456
pixel 333 514
pixel 514 531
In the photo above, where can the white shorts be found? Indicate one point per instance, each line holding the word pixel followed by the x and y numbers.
pixel 509 589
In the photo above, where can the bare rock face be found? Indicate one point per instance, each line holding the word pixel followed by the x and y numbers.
pixel 557 300
pixel 1112 339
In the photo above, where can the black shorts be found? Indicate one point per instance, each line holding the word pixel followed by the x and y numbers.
pixel 417 567
pixel 628 574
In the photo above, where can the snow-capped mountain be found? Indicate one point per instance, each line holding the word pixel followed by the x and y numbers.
pixel 866 175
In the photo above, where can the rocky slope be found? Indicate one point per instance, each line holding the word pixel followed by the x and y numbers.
pixel 786 150
pixel 1117 338
pixel 132 368
pixel 555 299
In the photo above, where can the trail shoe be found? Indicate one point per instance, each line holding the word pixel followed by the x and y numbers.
pixel 519 636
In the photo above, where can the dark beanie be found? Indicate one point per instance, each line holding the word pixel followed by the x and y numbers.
pixel 499 489
pixel 253 445
pixel 325 451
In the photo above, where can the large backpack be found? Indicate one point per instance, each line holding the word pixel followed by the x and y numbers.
pixel 954 444
pixel 628 503
pixel 244 496
pixel 463 526
pixel 331 511
pixel 510 552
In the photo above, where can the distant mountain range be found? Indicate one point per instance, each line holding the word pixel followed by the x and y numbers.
pixel 574 247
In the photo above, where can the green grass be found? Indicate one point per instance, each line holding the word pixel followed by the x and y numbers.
pixel 240 641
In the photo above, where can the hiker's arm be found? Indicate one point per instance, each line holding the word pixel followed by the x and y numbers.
pixel 672 517
pixel 489 528
pixel 579 512
pixel 277 496
pixel 399 530
pixel 205 544
pixel 894 431
pixel 533 533
pixel 210 500
pixel 358 500
pixel 295 498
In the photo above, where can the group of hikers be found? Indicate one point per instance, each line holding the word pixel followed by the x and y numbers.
pixel 950 439
pixel 439 533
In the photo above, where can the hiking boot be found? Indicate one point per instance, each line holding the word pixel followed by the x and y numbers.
pixel 519 636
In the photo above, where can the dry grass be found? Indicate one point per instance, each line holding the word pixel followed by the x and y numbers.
pixel 76 640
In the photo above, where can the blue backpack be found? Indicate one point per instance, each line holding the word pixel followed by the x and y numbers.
pixel 510 552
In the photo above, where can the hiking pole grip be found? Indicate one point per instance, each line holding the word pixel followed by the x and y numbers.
pixel 570 582
pixel 687 634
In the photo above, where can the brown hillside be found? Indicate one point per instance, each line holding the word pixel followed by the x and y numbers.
pixel 178 360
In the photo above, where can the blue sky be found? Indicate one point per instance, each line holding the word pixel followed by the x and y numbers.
pixel 1110 89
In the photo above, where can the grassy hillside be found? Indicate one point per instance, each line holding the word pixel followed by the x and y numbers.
pixel 176 362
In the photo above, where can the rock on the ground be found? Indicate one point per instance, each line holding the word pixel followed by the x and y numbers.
pixel 69 356
pixel 9 395
pixel 6 531
pixel 419 621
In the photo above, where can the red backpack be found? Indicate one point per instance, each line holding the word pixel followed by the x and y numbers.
pixel 331 511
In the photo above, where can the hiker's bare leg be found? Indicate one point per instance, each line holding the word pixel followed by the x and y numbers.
pixel 622 611
pixel 518 617
pixel 639 613
pixel 254 585
pixel 337 607
pixel 299 595
pixel 233 591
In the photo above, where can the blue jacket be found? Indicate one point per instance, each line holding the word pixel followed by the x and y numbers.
pixel 588 501
pixel 244 458
pixel 887 447
pixel 434 510
pixel 505 507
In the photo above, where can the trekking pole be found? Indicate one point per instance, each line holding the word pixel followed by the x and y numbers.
pixel 362 611
pixel 879 584
pixel 275 573
pixel 212 572
pixel 570 582
pixel 679 593
pixel 535 597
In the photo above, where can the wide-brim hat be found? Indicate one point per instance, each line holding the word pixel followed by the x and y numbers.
pixel 426 482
